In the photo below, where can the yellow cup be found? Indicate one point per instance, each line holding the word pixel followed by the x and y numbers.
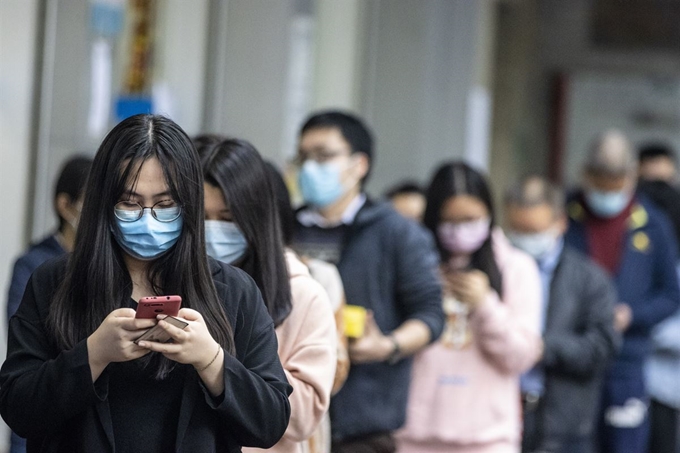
pixel 355 320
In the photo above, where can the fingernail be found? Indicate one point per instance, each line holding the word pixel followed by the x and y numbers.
pixel 142 344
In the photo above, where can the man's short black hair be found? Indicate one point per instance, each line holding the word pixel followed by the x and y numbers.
pixel 405 188
pixel 655 150
pixel 353 130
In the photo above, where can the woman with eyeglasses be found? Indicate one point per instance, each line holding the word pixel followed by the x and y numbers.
pixel 74 379
pixel 243 229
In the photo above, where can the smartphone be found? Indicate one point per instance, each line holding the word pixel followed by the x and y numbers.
pixel 157 333
pixel 152 306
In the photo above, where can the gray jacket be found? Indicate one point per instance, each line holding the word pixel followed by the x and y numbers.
pixel 580 341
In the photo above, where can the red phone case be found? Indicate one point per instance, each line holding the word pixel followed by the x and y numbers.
pixel 150 307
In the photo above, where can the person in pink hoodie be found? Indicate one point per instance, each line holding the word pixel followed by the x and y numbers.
pixel 243 229
pixel 464 395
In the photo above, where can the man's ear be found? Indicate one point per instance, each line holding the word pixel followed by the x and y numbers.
pixel 361 166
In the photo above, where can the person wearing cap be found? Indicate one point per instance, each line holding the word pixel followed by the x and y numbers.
pixel 632 240
pixel 560 394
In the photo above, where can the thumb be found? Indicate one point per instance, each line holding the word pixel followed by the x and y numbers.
pixel 190 315
pixel 124 313
pixel 371 325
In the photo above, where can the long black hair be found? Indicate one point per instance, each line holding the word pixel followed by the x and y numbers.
pixel 237 168
pixel 97 280
pixel 458 178
pixel 285 208
pixel 71 181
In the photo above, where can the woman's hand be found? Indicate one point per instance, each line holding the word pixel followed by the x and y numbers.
pixel 113 341
pixel 470 287
pixel 194 346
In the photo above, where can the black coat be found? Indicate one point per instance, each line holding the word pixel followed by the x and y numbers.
pixel 47 395
pixel 580 342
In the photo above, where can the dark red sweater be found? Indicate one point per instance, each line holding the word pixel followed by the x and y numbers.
pixel 606 237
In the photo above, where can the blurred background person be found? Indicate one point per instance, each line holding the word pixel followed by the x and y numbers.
pixel 658 176
pixel 561 393
pixel 657 162
pixel 633 242
pixel 657 171
pixel 465 388
pixel 243 229
pixel 388 267
pixel 408 199
pixel 68 199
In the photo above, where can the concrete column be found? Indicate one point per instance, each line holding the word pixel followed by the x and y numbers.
pixel 520 109
pixel 425 85
pixel 246 91
pixel 18 33
pixel 339 41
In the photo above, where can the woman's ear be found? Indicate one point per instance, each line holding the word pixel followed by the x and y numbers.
pixel 62 203
pixel 66 208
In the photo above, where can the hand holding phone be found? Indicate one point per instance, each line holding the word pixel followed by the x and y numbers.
pixel 158 334
pixel 152 306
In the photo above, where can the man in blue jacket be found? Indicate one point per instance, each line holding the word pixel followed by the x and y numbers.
pixel 632 240
pixel 387 264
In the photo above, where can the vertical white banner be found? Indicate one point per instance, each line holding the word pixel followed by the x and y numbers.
pixel 478 128
pixel 100 88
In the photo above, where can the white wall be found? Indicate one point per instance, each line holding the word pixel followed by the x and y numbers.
pixel 646 108
pixel 606 86
pixel 18 22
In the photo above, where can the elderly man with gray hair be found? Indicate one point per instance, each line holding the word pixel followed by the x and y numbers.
pixel 633 242
pixel 561 393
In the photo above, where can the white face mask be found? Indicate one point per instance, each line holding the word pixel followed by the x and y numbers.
pixel 224 241
pixel 538 245
pixel 607 204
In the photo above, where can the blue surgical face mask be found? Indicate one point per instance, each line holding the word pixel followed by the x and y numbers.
pixel 607 204
pixel 538 245
pixel 320 183
pixel 147 238
pixel 224 241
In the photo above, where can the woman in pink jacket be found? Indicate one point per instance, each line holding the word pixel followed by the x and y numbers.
pixel 464 395
pixel 243 229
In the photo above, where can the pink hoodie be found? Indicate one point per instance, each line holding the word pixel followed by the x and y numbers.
pixel 307 350
pixel 468 400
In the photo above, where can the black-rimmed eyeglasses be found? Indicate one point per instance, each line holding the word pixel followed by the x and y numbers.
pixel 163 211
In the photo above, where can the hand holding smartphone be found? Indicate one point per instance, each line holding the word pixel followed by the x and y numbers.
pixel 158 334
pixel 152 306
